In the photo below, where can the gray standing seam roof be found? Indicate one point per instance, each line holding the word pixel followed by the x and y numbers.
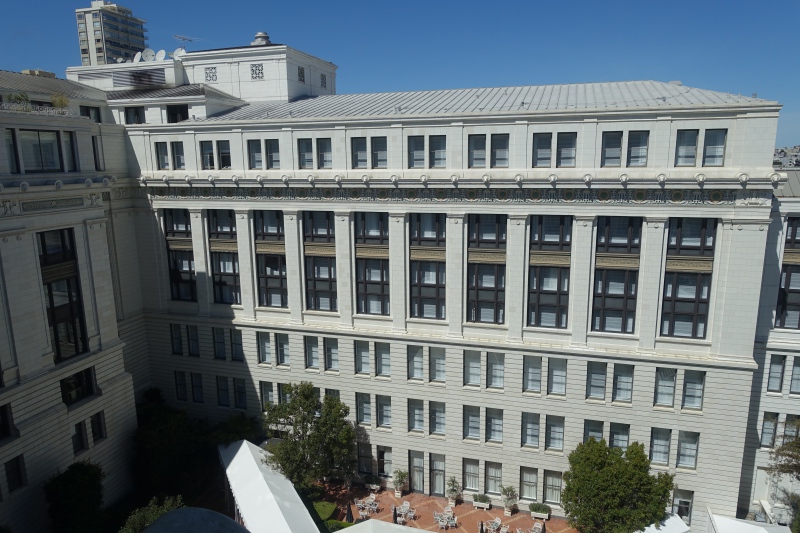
pixel 525 99
pixel 195 89
pixel 15 81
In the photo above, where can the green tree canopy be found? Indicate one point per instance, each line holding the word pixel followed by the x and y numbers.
pixel 317 440
pixel 75 498
pixel 608 491
pixel 785 458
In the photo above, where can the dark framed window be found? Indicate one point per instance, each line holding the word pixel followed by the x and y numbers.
pixel 619 234
pixel 224 154
pixel 272 282
pixel 486 293
pixel 428 291
pixel 788 312
pixel 321 283
pixel 15 473
pixel 225 274
pixel 551 232
pixel 221 224
pixel 273 153
pixel 79 440
pixel 78 386
pixel 686 148
pixel 319 226
pixel 268 225
pixel 134 115
pixel 792 225
pixel 177 113
pixel 372 286
pixel 56 246
pixel 183 285
pixel 416 151
pixel 566 149
pixel 379 152
pixel 542 150
pixel 207 155
pixel 437 144
pixel 477 151
pixel 98 423
pixel 324 153
pixel 6 421
pixel 239 393
pixel 637 148
pixel 70 151
pixel 487 231
pixel 177 223
pixel 548 296
pixel 99 154
pixel 372 228
pixel 223 394
pixel 197 388
pixel 428 229
pixel 255 157
pixel 614 303
pixel 178 158
pixel 11 150
pixel 685 310
pixel 41 150
pixel 358 146
pixel 691 236
pixel 611 155
pixel 91 112
pixel 162 156
pixel 180 386
pixel 500 151
pixel 305 153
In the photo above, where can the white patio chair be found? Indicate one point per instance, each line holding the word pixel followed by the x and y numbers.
pixel 538 527
pixel 411 514
pixel 442 524
pixel 504 529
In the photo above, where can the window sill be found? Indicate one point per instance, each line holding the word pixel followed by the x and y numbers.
pixel 774 394
pixel 378 318
pixel 494 444
pixel 595 401
pixel 559 453
pixel 416 432
pixel 314 312
pixel 418 381
pixel 383 378
pixel 692 412
pixel 438 436
pixel 274 309
pixel 559 397
pixel 529 448
pixel 437 384
pixel 612 335
pixel 566 332
pixel 361 375
pixel 264 365
pixel 686 470
pixel 384 429
pixel 663 409
pixel 627 405
pixel 311 370
pixel 472 387
pixel 495 390
pixel 283 367
pixel 683 340
pixel 331 372
pixel 532 394
pixel 485 325
pixel 422 320
pixel 657 466
pixel 471 440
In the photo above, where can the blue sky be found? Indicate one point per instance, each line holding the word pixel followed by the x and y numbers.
pixel 734 46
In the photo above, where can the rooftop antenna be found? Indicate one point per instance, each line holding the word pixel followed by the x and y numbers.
pixel 184 39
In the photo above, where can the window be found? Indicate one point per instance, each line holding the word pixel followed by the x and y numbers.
pixel 416 151
pixel 239 393
pixel 623 383
pixel 792 236
pixel 542 150
pixel 78 386
pixel 211 74
pixel 682 504
pixel 324 153
pixel 472 367
pixel 305 153
pixel 552 487
pixel 265 388
pixel 665 386
pixel 272 280
pixel 273 154
pixel 428 289
pixel 714 148
pixel 237 352
pixel 92 113
pixel 372 286
pixel 207 155
pixel 6 424
pixel 223 396
pixel 257 71
pixel 619 436
pixel 619 234
pixel 790 428
pixel 551 232
pixel 363 409
pixel 364 458
pixel 361 351
pixel 592 429
pixel 224 154
pixel 15 473
pixel 282 341
pixel 312 352
pixel 554 436
pixel 427 229
pixel 318 226
pixel 416 418
pixel 134 115
pixel 437 417
pixel 194 341
pixel 472 422
pixel 528 478
pixel 787 314
pixel 11 150
pixel 331 354
pixel 268 225
pixel 495 370
pixel 323 81
pixel 477 151
pixel 384 405
pixel 379 153
pixel 225 275
pixel 385 461
pixel 614 302
pixel 79 440
pixel 494 425
pixel 548 296
pixel 775 376
pixel 596 380
pixel 437 364
pixel 691 236
pixel 255 158
pixel 612 149
pixel 383 359
pixel 181 275
pixel 794 387
pixel 566 149
pixel 693 381
pixel 178 158
pixel 486 293
pixel 415 364
pixel 301 74
pixel 321 283
pixel 221 224
pixel 358 147
pixel 438 149
pixel 487 231
pixel 332 393
pixel 532 374
pixel 530 429
pixel 494 477
pixel 557 376
pixel 70 151
pixel 470 468
pixel 177 113
pixel 176 339
pixel 41 150
pixel 197 388
pixel 659 445
pixel 98 423
pixel 686 148
pixel 687 449
pixel 283 393
pixel 500 144
pixel 637 148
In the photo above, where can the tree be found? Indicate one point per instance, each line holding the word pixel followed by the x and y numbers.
pixel 785 458
pixel 316 441
pixel 142 517
pixel 75 498
pixel 608 491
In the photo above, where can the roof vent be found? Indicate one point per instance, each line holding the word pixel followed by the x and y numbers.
pixel 261 39
pixel 676 82
pixel 38 72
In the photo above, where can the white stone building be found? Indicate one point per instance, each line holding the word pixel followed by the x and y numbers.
pixel 485 276
pixel 108 33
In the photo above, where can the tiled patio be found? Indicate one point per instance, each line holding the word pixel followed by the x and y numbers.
pixel 468 517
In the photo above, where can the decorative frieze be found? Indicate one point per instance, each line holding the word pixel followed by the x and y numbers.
pixel 320 249
pixel 544 258
pixel 175 243
pixel 690 264
pixel 47 205
pixel 270 247
pixel 222 245
pixel 372 251
pixel 617 261
pixel 791 256
pixel 486 256
pixel 428 253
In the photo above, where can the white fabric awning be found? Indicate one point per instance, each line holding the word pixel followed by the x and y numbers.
pixel 671 524
pixel 733 525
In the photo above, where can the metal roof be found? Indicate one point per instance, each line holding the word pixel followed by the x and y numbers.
pixel 191 90
pixel 15 81
pixel 790 189
pixel 485 101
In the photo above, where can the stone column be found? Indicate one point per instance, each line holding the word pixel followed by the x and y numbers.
pixel 650 281
pixel 516 263
pixel 344 267
pixel 248 285
pixel 295 269
pixel 455 269
pixel 398 271
pixel 581 267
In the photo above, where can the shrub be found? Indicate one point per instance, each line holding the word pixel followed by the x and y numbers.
pixel 536 507
pixel 481 498
pixel 336 525
pixel 325 510
pixel 75 498
pixel 400 478
pixel 144 516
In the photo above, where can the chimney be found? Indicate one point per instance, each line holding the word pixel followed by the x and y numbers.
pixel 38 72
pixel 261 39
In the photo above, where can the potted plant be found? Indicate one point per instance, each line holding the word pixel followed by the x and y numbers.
pixel 510 498
pixel 539 510
pixel 373 483
pixel 400 480
pixel 481 501
pixel 453 490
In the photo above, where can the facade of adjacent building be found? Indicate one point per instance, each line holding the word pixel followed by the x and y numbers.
pixel 108 33
pixel 486 277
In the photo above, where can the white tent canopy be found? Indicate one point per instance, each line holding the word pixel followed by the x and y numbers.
pixel 267 501
pixel 723 524
pixel 671 524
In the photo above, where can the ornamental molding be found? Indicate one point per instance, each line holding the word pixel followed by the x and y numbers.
pixel 319 249
pixel 695 264
pixel 49 205
pixel 428 253
pixel 176 243
pixel 372 251
pixel 617 261
pixel 486 256
pixel 267 247
pixel 220 245
pixel 791 257
pixel 543 258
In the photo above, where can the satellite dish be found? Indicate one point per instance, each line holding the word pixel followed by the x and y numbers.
pixel 148 55
pixel 160 55
pixel 120 60
pixel 178 53
pixel 137 57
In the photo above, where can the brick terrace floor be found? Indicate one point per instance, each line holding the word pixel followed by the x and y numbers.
pixel 468 517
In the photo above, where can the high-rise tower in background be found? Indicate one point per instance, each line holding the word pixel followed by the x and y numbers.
pixel 109 33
